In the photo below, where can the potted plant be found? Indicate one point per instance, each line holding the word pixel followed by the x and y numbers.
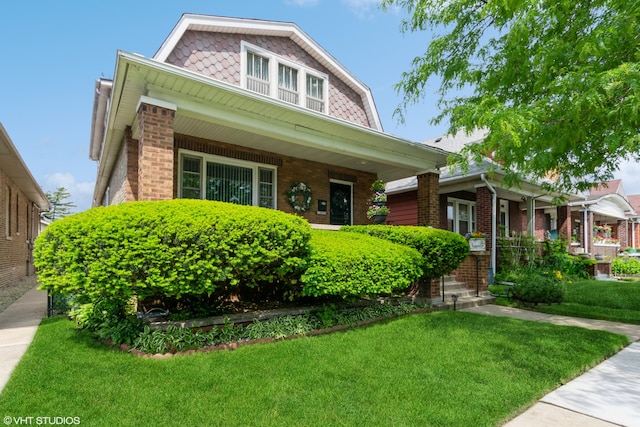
pixel 379 199
pixel 378 186
pixel 377 213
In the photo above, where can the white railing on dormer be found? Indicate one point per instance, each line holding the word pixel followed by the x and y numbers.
pixel 288 96
pixel 273 89
pixel 258 85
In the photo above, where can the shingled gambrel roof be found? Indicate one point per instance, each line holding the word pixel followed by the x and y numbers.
pixel 219 24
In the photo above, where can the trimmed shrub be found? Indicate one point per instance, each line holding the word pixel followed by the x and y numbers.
pixel 352 264
pixel 538 288
pixel 442 251
pixel 170 248
pixel 622 265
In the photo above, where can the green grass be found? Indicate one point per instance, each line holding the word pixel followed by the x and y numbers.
pixel 433 369
pixel 617 301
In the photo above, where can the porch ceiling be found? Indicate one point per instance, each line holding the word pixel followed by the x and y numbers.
pixel 211 109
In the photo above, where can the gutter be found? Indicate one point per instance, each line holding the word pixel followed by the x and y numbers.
pixel 494 201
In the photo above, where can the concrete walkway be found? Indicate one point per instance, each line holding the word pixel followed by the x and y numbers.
pixel 607 395
pixel 18 325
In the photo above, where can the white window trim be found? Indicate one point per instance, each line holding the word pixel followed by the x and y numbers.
pixel 473 214
pixel 204 157
pixel 504 208
pixel 274 60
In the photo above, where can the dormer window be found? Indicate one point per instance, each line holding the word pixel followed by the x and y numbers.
pixel 262 64
pixel 288 84
pixel 257 73
pixel 315 93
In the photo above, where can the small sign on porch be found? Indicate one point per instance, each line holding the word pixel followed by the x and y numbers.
pixel 477 245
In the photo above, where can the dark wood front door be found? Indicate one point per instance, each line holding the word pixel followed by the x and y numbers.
pixel 340 204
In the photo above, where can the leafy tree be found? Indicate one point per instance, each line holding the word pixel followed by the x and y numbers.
pixel 60 207
pixel 554 82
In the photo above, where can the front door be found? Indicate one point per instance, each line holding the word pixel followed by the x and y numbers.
pixel 340 203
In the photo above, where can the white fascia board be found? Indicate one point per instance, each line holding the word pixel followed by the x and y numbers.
pixel 269 28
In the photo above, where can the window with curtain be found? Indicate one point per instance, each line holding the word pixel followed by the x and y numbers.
pixel 227 180
pixel 315 93
pixel 296 83
pixel 257 73
pixel 287 83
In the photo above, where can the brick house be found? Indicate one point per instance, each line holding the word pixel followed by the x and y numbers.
pixel 239 110
pixel 22 200
pixel 477 201
pixel 610 218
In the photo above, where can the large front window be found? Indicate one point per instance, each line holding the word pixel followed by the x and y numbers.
pixel 226 180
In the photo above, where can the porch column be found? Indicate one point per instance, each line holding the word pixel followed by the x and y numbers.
pixel 623 238
pixel 564 223
pixel 588 245
pixel 428 199
pixel 484 214
pixel 155 149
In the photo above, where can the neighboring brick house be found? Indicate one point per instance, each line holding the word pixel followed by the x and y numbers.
pixel 239 110
pixel 609 215
pixel 469 201
pixel 22 200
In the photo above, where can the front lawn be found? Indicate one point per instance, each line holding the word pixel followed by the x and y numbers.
pixel 443 368
pixel 617 301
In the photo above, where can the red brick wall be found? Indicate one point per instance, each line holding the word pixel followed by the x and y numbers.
pixel 429 199
pixel 16 241
pixel 622 236
pixel 484 213
pixel 403 208
pixel 470 275
pixel 155 155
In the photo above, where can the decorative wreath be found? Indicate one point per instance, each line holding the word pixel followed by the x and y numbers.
pixel 299 197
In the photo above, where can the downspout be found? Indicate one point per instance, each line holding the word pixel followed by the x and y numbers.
pixel 494 201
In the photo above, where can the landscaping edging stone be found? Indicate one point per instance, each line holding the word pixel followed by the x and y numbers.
pixel 237 344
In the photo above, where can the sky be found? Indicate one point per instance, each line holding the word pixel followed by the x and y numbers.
pixel 53 52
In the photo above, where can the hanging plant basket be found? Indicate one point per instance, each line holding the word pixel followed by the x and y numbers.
pixel 379 219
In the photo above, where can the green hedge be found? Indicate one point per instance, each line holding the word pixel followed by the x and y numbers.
pixel 443 251
pixel 622 265
pixel 171 248
pixel 352 264
pixel 538 288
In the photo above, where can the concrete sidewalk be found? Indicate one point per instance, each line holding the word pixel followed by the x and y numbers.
pixel 18 325
pixel 607 395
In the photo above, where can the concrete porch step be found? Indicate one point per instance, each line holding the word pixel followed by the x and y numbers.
pixel 466 298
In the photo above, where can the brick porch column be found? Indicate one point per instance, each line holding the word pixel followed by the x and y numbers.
pixel 428 199
pixel 484 214
pixel 564 223
pixel 155 149
pixel 623 237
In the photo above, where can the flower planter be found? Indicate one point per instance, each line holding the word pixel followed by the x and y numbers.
pixel 477 245
pixel 379 219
